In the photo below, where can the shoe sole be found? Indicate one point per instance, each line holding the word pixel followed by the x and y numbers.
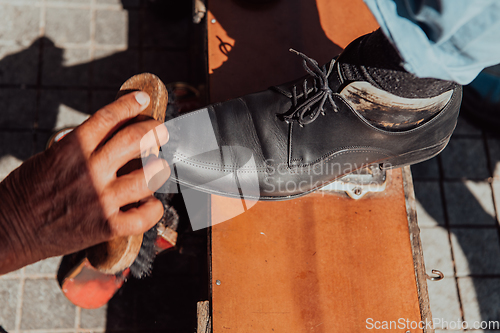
pixel 417 156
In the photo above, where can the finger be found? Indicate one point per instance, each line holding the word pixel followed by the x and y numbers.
pixel 153 140
pixel 138 220
pixel 156 173
pixel 136 185
pixel 128 143
pixel 108 119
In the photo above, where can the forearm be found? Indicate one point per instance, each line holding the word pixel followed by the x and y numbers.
pixel 14 246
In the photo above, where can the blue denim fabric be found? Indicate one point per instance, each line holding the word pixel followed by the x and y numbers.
pixel 443 39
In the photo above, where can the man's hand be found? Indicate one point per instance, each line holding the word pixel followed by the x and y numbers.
pixel 69 197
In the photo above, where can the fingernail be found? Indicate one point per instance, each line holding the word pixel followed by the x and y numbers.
pixel 142 98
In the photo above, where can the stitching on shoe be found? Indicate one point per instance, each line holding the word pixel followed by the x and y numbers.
pixel 183 158
pixel 223 168
pixel 331 154
pixel 342 152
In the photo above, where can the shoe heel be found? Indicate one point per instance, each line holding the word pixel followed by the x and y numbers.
pixel 416 156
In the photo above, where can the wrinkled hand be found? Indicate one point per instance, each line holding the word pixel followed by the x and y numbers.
pixel 69 197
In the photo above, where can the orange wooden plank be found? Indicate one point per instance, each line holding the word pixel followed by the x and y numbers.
pixel 321 263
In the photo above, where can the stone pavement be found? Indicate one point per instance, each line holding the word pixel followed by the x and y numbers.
pixel 458 210
pixel 60 60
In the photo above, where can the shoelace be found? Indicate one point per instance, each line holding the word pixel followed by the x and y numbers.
pixel 321 93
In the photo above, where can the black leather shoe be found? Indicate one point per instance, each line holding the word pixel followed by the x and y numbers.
pixel 292 139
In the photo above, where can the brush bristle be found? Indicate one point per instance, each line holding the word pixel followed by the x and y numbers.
pixel 143 264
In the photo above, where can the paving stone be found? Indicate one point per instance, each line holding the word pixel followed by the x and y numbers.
pixel 125 3
pixel 52 331
pixel 65 67
pixel 45 306
pixel 15 147
pixel 23 2
pixel 100 99
pixel 160 310
pixel 469 202
pixel 453 326
pixel 61 109
pixel 480 299
pixel 110 27
pixel 18 64
pixel 41 140
pixel 47 266
pixel 113 68
pixel 444 302
pixel 146 305
pixel 427 170
pixel 121 309
pixel 464 127
pixel 168 66
pixel 7 165
pixel 476 251
pixel 68 25
pixel 95 318
pixel 494 150
pixel 496 194
pixel 8 295
pixel 179 266
pixel 11 275
pixel 465 158
pixel 429 204
pixel 83 2
pixel 134 28
pixel 19 23
pixel 18 108
pixel 160 32
pixel 437 250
